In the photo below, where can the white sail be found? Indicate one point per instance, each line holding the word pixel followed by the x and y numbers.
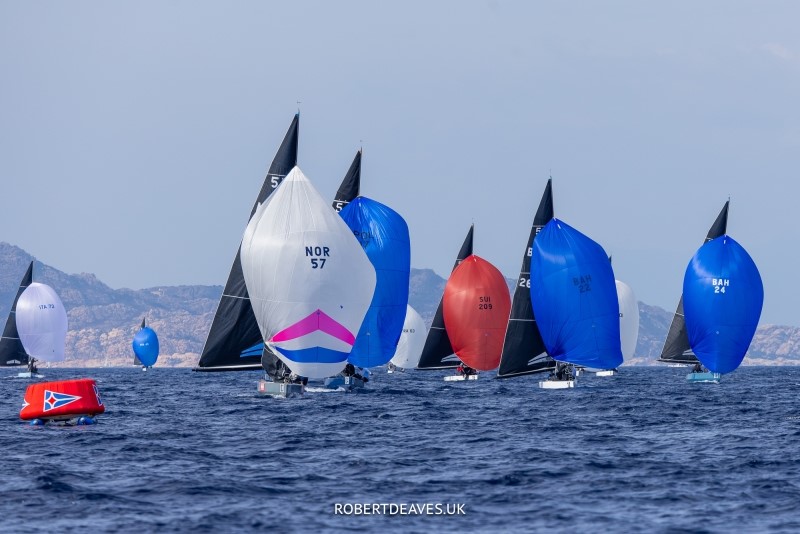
pixel 628 319
pixel 309 280
pixel 42 323
pixel 412 340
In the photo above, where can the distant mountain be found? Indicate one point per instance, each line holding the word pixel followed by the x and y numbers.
pixel 102 321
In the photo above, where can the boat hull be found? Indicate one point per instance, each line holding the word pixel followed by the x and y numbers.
pixel 460 378
pixel 345 382
pixel 280 389
pixel 28 374
pixel 609 372
pixel 712 378
pixel 556 384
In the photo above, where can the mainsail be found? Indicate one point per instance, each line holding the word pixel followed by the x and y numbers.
pixel 136 360
pixel 11 350
pixel 438 352
pixel 676 346
pixel 351 185
pixel 523 348
pixel 383 234
pixel 234 341
pixel 476 305
pixel 309 280
pixel 574 298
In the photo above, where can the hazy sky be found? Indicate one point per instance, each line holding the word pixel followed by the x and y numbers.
pixel 134 136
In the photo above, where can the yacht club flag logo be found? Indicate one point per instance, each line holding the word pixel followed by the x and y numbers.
pixel 53 399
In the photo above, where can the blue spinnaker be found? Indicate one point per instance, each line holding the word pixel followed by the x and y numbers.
pixel 574 298
pixel 145 346
pixel 384 235
pixel 722 299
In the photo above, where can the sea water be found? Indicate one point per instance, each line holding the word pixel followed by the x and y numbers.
pixel 643 451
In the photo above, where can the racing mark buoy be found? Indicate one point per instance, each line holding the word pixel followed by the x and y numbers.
pixel 64 400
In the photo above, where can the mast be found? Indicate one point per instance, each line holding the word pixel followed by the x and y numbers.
pixel 11 350
pixel 523 348
pixel 351 184
pixel 234 342
pixel 676 346
pixel 438 352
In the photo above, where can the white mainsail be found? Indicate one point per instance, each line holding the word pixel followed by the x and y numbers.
pixel 309 280
pixel 628 319
pixel 412 340
pixel 42 323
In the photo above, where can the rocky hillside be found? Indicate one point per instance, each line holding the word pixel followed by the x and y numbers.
pixel 102 320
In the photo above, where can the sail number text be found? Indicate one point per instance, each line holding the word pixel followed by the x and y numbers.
pixel 317 256
pixel 484 303
pixel 46 306
pixel 524 282
pixel 583 282
pixel 720 284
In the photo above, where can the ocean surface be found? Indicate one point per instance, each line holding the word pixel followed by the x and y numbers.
pixel 178 451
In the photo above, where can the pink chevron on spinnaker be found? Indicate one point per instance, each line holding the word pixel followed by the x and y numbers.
pixel 318 320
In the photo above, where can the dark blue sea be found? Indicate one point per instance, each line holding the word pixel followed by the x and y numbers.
pixel 178 451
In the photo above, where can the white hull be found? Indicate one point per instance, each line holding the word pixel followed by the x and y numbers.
pixel 712 378
pixel 280 389
pixel 28 374
pixel 460 378
pixel 610 372
pixel 557 384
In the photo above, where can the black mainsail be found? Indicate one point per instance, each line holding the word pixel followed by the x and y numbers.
pixel 234 342
pixel 11 350
pixel 523 348
pixel 676 347
pixel 351 185
pixel 438 352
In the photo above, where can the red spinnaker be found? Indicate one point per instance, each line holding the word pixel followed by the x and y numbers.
pixel 476 309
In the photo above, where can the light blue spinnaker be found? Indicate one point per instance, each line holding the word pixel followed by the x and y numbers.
pixel 384 235
pixel 574 298
pixel 722 299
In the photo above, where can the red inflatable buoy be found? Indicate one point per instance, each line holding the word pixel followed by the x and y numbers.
pixel 61 400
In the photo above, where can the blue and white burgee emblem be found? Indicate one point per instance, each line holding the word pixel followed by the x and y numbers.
pixel 53 399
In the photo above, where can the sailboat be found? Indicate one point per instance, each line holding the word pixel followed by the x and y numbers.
pixel 677 351
pixel 309 280
pixel 412 340
pixel 476 305
pixel 438 352
pixel 574 300
pixel 523 348
pixel 12 353
pixel 234 341
pixel 145 347
pixel 383 234
pixel 722 299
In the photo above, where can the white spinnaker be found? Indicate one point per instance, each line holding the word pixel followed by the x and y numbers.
pixel 42 323
pixel 298 256
pixel 412 340
pixel 628 319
